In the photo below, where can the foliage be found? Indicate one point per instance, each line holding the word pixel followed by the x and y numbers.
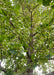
pixel 15 30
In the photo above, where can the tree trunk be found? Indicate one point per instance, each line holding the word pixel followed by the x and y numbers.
pixel 29 71
pixel 30 51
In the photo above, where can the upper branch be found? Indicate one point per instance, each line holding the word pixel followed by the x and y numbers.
pixel 31 19
pixel 34 34
pixel 12 24
pixel 35 7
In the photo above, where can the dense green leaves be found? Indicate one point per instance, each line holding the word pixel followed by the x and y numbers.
pixel 9 73
pixel 16 33
pixel 40 1
pixel 46 2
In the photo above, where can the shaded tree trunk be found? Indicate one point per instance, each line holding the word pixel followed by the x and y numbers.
pixel 30 51
pixel 29 72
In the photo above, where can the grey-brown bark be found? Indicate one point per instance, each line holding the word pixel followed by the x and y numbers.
pixel 52 73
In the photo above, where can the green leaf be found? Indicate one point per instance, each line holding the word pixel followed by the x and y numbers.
pixel 40 1
pixel 46 2
pixel 9 73
pixel 48 56
pixel 34 65
pixel 52 6
pixel 2 37
pixel 13 52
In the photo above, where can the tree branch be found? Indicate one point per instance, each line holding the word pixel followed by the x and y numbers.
pixel 51 59
pixel 12 24
pixel 34 34
pixel 35 7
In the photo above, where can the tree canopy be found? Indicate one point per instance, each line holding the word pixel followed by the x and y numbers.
pixel 26 34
